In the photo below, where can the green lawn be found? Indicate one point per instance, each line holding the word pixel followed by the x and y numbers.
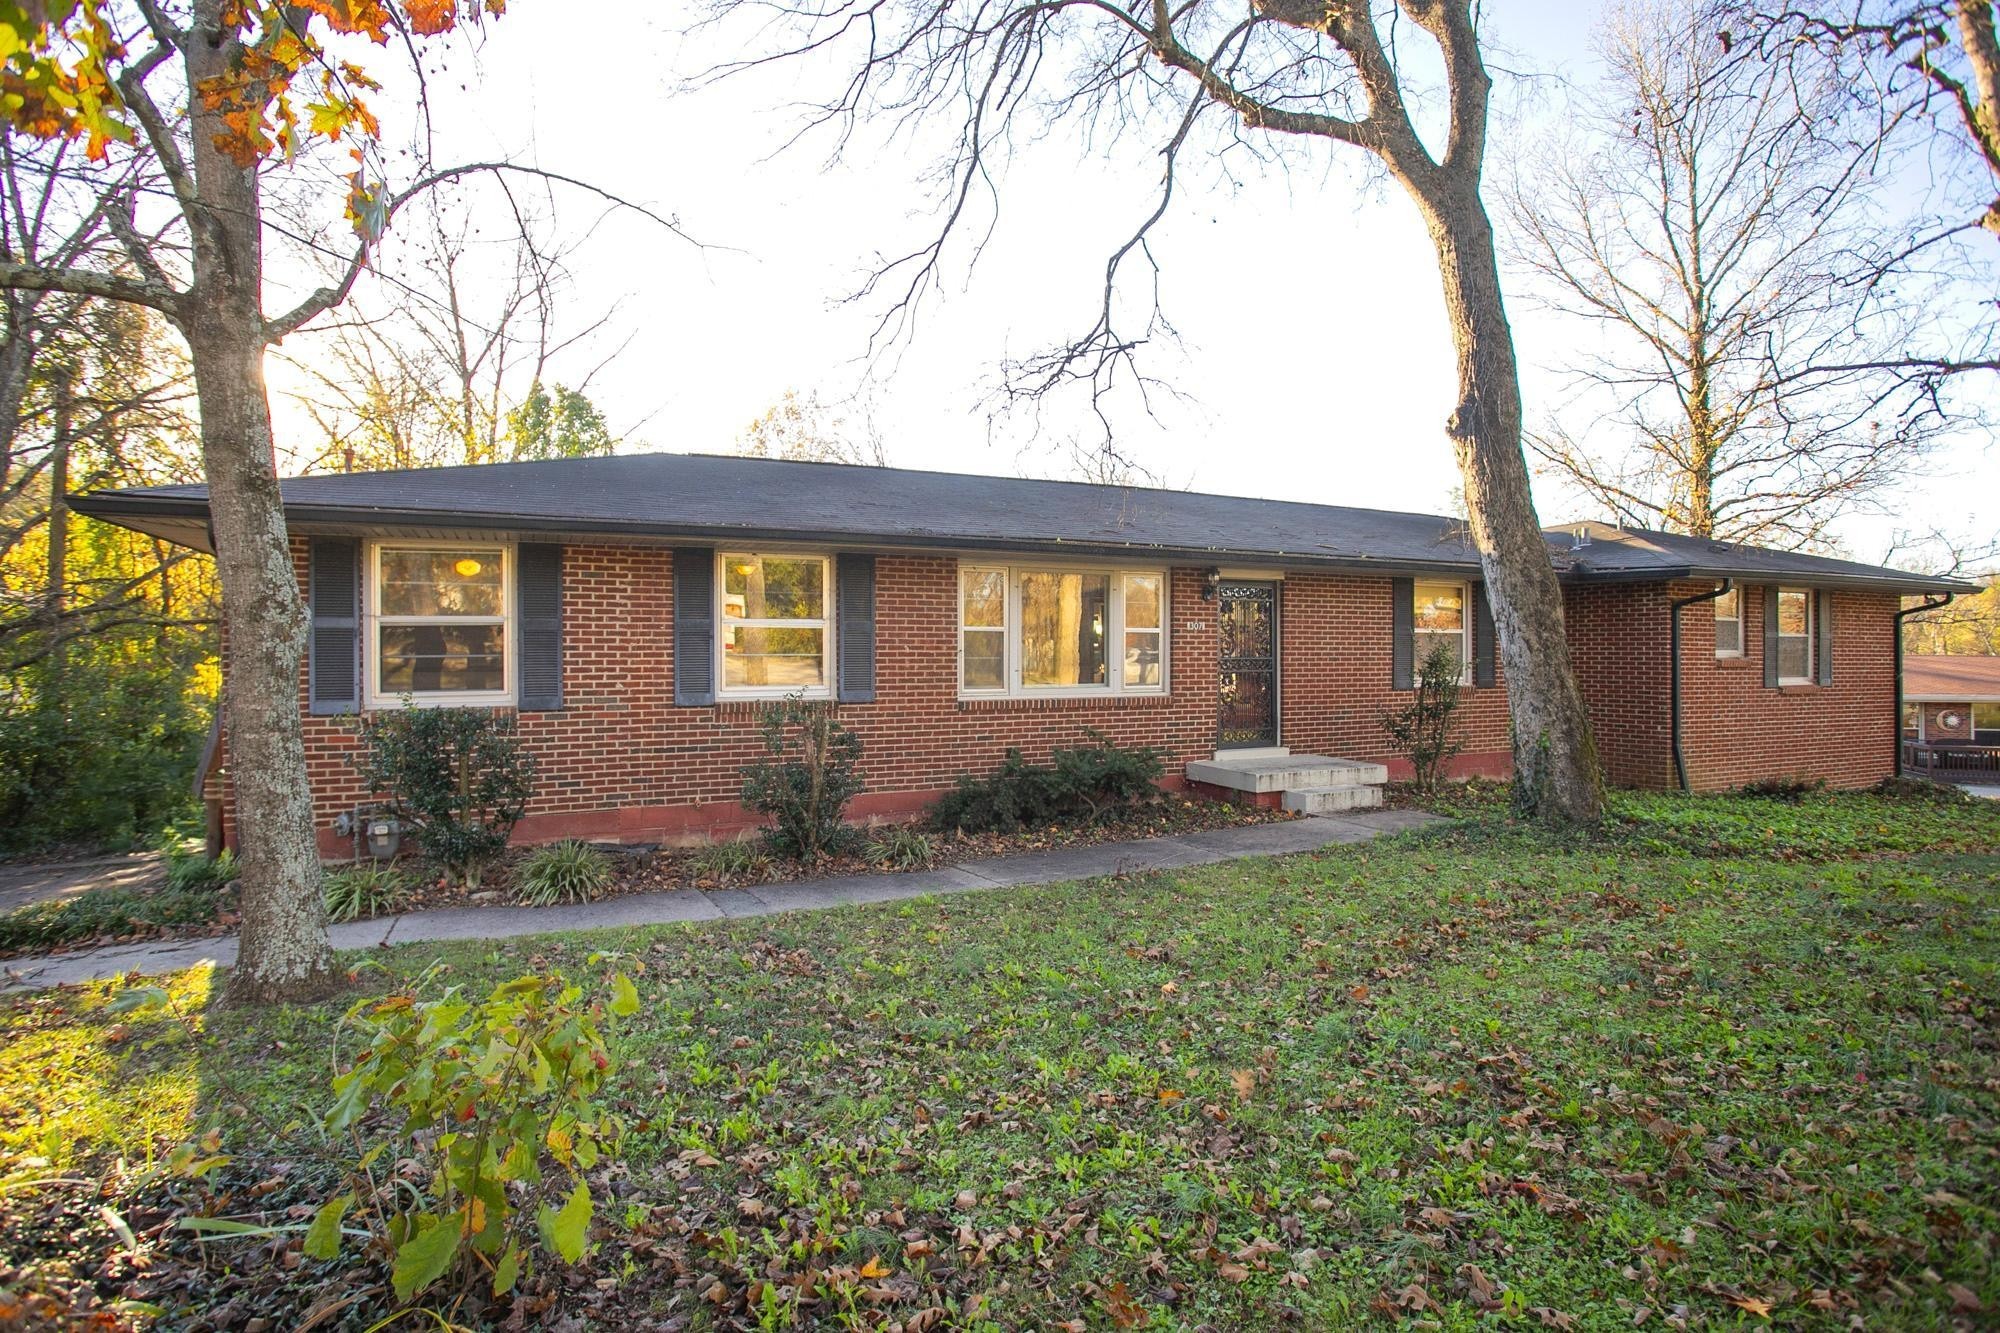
pixel 1732 1059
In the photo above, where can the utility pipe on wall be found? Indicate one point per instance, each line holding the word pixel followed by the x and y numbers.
pixel 1674 671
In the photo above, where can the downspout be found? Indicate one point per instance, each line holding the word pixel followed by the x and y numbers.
pixel 1901 614
pixel 1674 671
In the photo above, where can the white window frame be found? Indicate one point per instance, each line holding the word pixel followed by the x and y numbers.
pixel 1114 631
pixel 823 623
pixel 1735 591
pixel 1919 737
pixel 509 621
pixel 1417 632
pixel 1778 646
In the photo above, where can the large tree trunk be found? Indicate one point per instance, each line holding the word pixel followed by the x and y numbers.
pixel 283 954
pixel 1555 760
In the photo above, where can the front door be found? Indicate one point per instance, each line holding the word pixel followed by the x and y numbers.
pixel 1247 625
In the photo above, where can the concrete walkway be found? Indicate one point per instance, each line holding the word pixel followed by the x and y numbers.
pixel 22 883
pixel 647 909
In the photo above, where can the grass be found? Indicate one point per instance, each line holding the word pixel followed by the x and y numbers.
pixel 1726 1060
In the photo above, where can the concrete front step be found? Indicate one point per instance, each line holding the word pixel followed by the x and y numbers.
pixel 1332 800
pixel 1277 773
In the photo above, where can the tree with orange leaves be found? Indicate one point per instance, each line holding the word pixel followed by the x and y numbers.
pixel 218 93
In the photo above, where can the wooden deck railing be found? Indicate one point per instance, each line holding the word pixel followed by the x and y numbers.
pixel 1950 762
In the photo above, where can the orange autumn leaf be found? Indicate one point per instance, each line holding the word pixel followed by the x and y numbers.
pixel 874 1268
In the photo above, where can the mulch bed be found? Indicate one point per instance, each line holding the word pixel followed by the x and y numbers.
pixel 653 869
pixel 644 869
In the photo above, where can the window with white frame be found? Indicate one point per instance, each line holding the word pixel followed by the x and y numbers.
pixel 440 623
pixel 1729 624
pixel 1913 722
pixel 1443 616
pixel 1030 629
pixel 1795 647
pixel 773 633
pixel 1986 724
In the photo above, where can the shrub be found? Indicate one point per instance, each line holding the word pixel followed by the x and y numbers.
pixel 459 777
pixel 490 1102
pixel 1425 727
pixel 725 861
pixel 1080 783
pixel 903 848
pixel 1924 791
pixel 99 912
pixel 189 872
pixel 562 872
pixel 806 780
pixel 363 890
pixel 1782 789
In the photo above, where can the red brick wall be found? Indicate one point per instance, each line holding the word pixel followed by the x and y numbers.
pixel 620 761
pixel 1936 730
pixel 1334 679
pixel 1734 729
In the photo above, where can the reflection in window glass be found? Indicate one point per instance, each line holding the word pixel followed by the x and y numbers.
pixel 1440 619
pixel 774 622
pixel 1794 634
pixel 440 620
pixel 1063 628
pixel 1143 633
pixel 1729 624
pixel 1986 723
pixel 983 637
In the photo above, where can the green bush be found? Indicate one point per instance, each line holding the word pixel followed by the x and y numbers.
pixel 562 872
pixel 725 861
pixel 1425 727
pixel 459 777
pixel 806 780
pixel 365 889
pixel 99 912
pixel 491 1102
pixel 902 848
pixel 191 872
pixel 1080 784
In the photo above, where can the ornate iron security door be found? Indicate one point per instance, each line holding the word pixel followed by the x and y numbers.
pixel 1247 624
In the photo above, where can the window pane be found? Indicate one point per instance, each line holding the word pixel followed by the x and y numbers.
pixel 1727 606
pixel 1440 606
pixel 986 598
pixel 1912 720
pixel 772 587
pixel 1142 601
pixel 985 659
pixel 1792 614
pixel 1986 717
pixel 1142 658
pixel 1063 629
pixel 1792 658
pixel 441 582
pixel 777 658
pixel 448 658
pixel 1454 642
pixel 1728 636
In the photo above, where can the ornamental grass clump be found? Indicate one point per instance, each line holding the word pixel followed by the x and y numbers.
pixel 365 890
pixel 562 872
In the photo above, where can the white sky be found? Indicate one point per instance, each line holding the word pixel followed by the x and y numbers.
pixel 1314 341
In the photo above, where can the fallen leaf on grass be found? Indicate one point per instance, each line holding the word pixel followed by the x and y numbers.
pixel 1750 1305
pixel 874 1268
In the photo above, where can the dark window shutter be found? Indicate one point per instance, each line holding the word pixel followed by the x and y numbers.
pixel 1823 633
pixel 538 597
pixel 1403 634
pixel 854 632
pixel 333 599
pixel 1482 637
pixel 1770 591
pixel 694 625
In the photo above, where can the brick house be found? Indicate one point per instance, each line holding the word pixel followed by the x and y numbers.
pixel 1951 714
pixel 638 612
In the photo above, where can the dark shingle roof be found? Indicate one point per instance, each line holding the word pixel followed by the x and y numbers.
pixel 711 497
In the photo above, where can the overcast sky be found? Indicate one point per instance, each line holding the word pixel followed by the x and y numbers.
pixel 1314 352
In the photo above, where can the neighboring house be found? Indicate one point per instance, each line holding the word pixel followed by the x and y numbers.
pixel 640 611
pixel 1951 704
